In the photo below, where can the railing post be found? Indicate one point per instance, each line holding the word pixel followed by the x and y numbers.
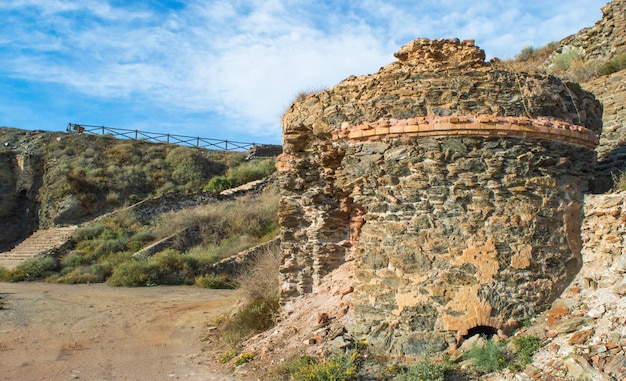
pixel 200 142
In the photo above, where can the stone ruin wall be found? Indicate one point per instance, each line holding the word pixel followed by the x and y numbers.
pixel 456 188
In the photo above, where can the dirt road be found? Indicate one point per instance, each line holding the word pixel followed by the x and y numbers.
pixel 95 332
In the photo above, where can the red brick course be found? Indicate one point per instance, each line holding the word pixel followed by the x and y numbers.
pixel 487 126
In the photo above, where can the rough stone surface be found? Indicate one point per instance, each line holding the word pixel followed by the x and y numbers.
pixel 447 233
pixel 20 180
pixel 606 38
pixel 456 237
pixel 583 333
pixel 611 91
pixel 598 44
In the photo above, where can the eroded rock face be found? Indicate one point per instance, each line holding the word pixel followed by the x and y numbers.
pixel 20 179
pixel 597 45
pixel 455 187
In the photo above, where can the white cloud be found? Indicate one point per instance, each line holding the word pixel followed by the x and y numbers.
pixel 246 60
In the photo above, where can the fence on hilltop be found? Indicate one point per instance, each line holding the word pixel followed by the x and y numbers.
pixel 156 137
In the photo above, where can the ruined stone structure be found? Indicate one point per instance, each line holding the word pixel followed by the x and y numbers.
pixel 454 186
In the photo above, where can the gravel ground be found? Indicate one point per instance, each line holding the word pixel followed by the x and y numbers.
pixel 95 332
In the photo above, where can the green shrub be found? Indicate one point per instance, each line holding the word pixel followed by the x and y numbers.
pixel 252 170
pixel 4 274
pixel 33 269
pixel 488 358
pixel 572 65
pixel 89 231
pixel 134 274
pixel 133 246
pixel 299 362
pixel 427 370
pixel 204 254
pixel 526 53
pixel 256 316
pixel 340 367
pixel 242 174
pixel 76 259
pixel 188 166
pixel 108 246
pixel 526 347
pixel 614 65
pixel 143 236
pixel 85 274
pixel 214 281
pixel 229 355
pixel 170 267
pixel 167 261
pixel 218 184
pixel 244 358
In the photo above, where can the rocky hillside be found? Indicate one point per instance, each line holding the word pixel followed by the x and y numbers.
pixel 606 39
pixel 599 54
pixel 51 178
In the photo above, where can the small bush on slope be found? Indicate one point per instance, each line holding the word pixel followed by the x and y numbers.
pixel 255 169
pixel 572 65
pixel 342 366
pixel 614 65
pixel 427 370
pixel 33 269
pixel 260 291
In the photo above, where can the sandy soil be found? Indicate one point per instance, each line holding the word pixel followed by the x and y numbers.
pixel 95 332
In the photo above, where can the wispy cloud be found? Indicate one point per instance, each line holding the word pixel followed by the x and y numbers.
pixel 242 62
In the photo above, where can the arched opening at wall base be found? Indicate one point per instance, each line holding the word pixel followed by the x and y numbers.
pixel 482 330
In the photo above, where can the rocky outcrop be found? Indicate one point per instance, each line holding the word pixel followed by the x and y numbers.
pixel 611 91
pixel 597 45
pixel 454 186
pixel 606 38
pixel 264 150
pixel 20 180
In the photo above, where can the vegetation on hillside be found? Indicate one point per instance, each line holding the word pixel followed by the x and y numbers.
pixel 105 248
pixel 570 63
pixel 103 172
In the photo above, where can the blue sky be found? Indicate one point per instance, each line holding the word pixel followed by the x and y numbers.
pixel 229 69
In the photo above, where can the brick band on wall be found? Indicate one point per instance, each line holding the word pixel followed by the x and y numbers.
pixel 446 126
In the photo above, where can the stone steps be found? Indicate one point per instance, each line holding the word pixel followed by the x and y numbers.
pixel 37 244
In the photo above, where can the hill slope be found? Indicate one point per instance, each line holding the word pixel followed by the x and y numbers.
pixel 51 178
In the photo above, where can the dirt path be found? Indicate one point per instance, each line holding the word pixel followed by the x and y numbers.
pixel 95 332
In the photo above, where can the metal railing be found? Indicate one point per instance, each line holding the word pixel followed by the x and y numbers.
pixel 156 137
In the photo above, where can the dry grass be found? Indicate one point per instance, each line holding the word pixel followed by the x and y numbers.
pixel 253 215
pixel 261 280
pixel 259 290
pixel 529 59
pixel 570 64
